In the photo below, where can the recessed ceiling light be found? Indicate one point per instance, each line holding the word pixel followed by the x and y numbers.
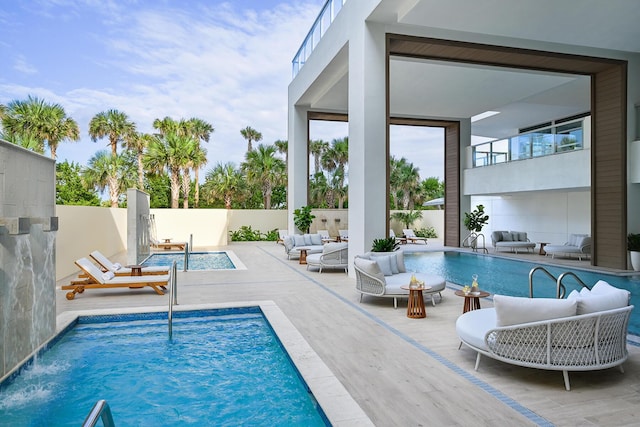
pixel 484 115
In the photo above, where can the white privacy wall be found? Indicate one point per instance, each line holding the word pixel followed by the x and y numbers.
pixel 546 217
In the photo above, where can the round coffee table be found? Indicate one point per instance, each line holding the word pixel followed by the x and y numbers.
pixel 472 299
pixel 415 306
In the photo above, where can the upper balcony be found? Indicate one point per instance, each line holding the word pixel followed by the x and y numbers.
pixel 323 21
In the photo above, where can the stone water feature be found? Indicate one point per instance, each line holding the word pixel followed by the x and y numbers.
pixel 27 253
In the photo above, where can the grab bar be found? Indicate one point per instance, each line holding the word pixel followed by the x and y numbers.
pixel 561 290
pixel 102 411
pixel 544 270
pixel 173 296
pixel 186 256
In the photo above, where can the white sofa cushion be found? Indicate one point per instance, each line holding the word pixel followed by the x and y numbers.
pixel 474 325
pixel 316 239
pixel 517 310
pixel 506 237
pixel 602 297
pixel 399 255
pixel 384 262
pixel 298 240
pixel 370 267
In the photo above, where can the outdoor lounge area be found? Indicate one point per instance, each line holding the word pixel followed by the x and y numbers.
pixel 363 342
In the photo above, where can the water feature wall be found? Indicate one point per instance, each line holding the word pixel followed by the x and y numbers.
pixel 27 253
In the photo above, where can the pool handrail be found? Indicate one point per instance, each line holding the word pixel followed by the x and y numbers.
pixel 102 411
pixel 561 290
pixel 173 296
pixel 186 256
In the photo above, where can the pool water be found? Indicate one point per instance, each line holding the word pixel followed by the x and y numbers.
pixel 197 260
pixel 223 369
pixel 511 277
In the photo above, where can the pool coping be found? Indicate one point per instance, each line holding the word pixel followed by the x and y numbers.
pixel 337 404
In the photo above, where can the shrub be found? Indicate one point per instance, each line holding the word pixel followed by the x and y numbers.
pixel 271 236
pixel 245 234
pixel 429 232
pixel 385 245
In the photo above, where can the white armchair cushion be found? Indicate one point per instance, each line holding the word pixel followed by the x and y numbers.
pixel 517 310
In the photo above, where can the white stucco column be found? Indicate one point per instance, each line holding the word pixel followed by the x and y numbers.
pixel 298 161
pixel 367 137
pixel 465 162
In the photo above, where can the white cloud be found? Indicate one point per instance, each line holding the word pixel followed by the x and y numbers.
pixel 21 65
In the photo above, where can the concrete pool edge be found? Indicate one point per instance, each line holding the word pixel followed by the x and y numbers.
pixel 337 404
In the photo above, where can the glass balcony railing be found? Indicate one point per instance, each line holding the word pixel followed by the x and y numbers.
pixel 323 21
pixel 527 146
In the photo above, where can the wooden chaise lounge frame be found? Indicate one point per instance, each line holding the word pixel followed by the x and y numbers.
pixel 106 265
pixel 168 244
pixel 94 280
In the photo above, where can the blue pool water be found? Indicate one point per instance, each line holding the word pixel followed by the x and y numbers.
pixel 197 260
pixel 511 277
pixel 223 368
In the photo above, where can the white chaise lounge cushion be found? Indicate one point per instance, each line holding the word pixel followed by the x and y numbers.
pixel 474 325
pixel 517 310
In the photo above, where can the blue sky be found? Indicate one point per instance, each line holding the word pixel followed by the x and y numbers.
pixel 226 62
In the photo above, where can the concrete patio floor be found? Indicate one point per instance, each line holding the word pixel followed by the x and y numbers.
pixel 401 371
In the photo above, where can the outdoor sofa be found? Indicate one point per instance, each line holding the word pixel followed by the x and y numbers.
pixel 311 242
pixel 382 274
pixel 512 240
pixel 584 332
pixel 333 255
pixel 578 244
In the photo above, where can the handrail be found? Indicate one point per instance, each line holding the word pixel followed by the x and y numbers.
pixel 186 256
pixel 569 273
pixel 471 241
pixel 544 270
pixel 102 411
pixel 173 296
pixel 561 290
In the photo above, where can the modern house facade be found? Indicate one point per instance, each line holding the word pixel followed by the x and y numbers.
pixel 553 86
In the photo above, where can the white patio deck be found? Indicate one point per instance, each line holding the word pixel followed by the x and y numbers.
pixel 402 372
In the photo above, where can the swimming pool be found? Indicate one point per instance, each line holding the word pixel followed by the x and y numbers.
pixel 197 260
pixel 511 277
pixel 222 367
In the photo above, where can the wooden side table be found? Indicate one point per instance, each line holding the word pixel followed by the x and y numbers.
pixel 136 269
pixel 542 245
pixel 415 306
pixel 471 301
pixel 303 256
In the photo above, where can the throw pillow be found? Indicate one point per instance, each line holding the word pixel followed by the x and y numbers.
pixel 517 310
pixel 400 260
pixel 393 260
pixel 117 266
pixel 384 262
pixel 307 239
pixel 288 242
pixel 506 236
pixel 316 239
pixel 298 240
pixel 603 297
pixel 370 267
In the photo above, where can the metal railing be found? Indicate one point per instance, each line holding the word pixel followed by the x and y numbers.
pixel 173 296
pixel 186 257
pixel 100 411
pixel 561 290
pixel 319 27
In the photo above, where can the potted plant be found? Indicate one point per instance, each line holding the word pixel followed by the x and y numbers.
pixel 474 221
pixel 303 218
pixel 385 245
pixel 633 245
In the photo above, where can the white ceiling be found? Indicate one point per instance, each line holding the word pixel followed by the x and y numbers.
pixel 523 98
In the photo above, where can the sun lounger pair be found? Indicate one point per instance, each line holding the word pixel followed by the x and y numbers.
pixel 96 279
pixel 167 244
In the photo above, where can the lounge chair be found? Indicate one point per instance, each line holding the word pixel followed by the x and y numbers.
pixel 167 244
pixel 281 235
pixel 343 235
pixel 106 265
pixel 401 240
pixel 96 279
pixel 324 235
pixel 334 255
pixel 410 235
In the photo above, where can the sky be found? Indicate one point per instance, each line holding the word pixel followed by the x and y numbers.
pixel 226 62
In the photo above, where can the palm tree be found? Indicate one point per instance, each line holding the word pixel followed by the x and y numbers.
pixel 264 169
pixel 225 181
pixel 138 142
pixel 283 148
pixel 200 131
pixel 317 149
pixel 334 160
pixel 117 173
pixel 32 122
pixel 250 135
pixel 112 124
pixel 172 152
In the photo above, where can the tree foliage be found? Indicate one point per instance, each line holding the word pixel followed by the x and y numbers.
pixel 71 188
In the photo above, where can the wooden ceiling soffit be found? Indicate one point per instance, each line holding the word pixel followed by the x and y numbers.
pixel 476 53
pixel 330 117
